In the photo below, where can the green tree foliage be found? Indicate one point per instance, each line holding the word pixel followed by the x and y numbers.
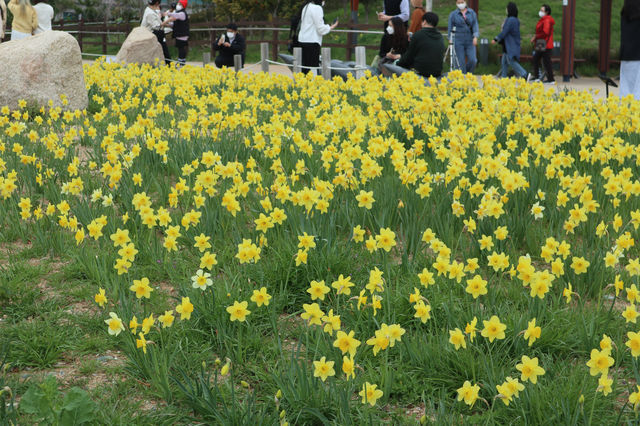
pixel 255 9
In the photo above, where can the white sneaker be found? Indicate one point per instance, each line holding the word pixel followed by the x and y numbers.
pixel 550 83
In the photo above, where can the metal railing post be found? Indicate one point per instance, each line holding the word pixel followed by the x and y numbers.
pixel 361 61
pixel 297 59
pixel 264 56
pixel 326 63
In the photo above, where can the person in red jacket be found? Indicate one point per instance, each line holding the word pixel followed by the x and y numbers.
pixel 544 31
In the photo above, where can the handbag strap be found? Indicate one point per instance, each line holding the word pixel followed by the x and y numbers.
pixel 467 22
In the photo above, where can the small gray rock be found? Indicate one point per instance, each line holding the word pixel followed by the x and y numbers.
pixel 141 47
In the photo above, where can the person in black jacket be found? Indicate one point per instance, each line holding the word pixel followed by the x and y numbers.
pixel 392 9
pixel 230 44
pixel 630 49
pixel 394 43
pixel 426 49
pixel 180 20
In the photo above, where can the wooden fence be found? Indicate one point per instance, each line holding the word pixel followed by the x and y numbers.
pixel 204 34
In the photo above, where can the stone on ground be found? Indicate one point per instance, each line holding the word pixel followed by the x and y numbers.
pixel 40 69
pixel 141 47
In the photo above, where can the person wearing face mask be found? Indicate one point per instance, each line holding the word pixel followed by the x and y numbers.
pixel 312 28
pixel 180 20
pixel 391 9
pixel 509 38
pixel 465 22
pixel 543 42
pixel 151 20
pixel 394 42
pixel 229 45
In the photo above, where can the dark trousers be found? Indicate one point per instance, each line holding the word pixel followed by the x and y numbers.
pixel 545 57
pixel 183 48
pixel 160 35
pixel 225 61
pixel 310 55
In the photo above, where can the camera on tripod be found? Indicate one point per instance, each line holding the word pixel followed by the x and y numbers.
pixel 450 52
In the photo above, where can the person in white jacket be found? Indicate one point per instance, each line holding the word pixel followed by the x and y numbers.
pixel 152 20
pixel 312 28
pixel 45 15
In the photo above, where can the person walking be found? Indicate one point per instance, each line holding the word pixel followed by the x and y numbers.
pixel 630 49
pixel 180 20
pixel 543 44
pixel 464 23
pixel 152 20
pixel 230 44
pixel 416 16
pixel 509 38
pixel 312 28
pixel 3 19
pixel 45 14
pixel 25 19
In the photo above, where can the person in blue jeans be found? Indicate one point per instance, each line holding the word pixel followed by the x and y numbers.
pixel 465 22
pixel 509 38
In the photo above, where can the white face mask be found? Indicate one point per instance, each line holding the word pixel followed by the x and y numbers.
pixel 230 35
pixel 462 6
pixel 390 29
pixel 179 7
pixel 541 14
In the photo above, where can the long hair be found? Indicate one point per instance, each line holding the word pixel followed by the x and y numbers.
pixel 399 38
pixel 631 10
pixel 512 9
pixel 298 16
pixel 24 5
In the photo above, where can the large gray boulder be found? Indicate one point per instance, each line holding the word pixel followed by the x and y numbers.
pixel 40 69
pixel 141 47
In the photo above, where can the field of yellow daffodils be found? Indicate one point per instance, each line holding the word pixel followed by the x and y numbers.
pixel 265 250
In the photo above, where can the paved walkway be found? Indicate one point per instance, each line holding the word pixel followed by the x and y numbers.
pixel 592 84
